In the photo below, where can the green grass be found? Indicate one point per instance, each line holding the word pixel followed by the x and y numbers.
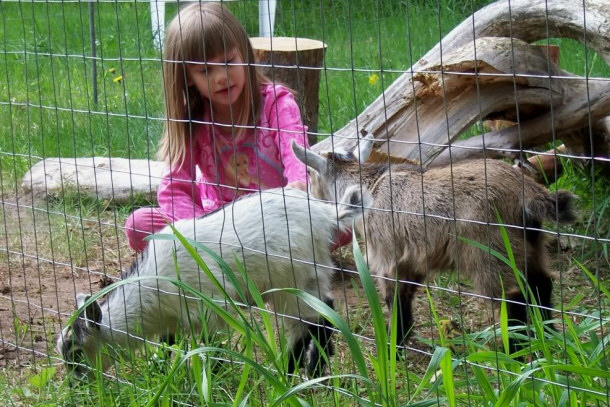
pixel 565 370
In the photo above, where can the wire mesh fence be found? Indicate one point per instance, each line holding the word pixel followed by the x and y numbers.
pixel 480 207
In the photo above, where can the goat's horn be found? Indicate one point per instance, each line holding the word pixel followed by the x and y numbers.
pixel 365 146
pixel 308 157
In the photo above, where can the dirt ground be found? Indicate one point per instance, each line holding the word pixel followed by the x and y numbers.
pixel 48 257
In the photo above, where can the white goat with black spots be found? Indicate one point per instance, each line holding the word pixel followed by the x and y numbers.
pixel 283 240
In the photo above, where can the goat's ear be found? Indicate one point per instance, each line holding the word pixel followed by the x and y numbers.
pixel 309 158
pixel 93 312
pixel 364 148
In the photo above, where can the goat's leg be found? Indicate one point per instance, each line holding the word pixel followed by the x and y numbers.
pixel 297 354
pixel 320 332
pixel 168 338
pixel 321 339
pixel 541 286
pixel 405 292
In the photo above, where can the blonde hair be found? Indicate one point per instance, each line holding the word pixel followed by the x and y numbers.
pixel 199 32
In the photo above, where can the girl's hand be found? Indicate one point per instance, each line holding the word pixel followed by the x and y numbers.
pixel 298 185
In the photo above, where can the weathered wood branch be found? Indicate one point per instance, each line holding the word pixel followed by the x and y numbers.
pixel 119 179
pixel 439 125
pixel 571 116
pixel 490 60
pixel 396 113
pixel 464 90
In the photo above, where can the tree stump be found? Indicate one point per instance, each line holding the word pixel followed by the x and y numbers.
pixel 296 63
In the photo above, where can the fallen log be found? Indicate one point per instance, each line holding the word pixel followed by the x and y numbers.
pixel 507 142
pixel 454 96
pixel 396 113
pixel 116 179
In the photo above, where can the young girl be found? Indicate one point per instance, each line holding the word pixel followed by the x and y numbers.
pixel 228 128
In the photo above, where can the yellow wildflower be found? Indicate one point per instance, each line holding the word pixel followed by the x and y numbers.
pixel 373 79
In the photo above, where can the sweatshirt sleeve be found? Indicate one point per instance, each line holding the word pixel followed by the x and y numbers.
pixel 178 194
pixel 285 118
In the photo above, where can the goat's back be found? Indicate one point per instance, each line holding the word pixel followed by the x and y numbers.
pixel 459 203
pixel 276 236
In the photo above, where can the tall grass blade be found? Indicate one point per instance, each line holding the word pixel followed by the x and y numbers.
pixel 482 379
pixel 331 316
pixel 431 370
pixel 190 246
pixel 447 370
pixel 385 372
pixel 511 391
pixel 504 323
pixel 244 376
pixel 269 376
pixel 594 280
pixel 301 387
pixel 260 302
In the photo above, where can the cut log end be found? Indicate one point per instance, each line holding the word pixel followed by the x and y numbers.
pixel 296 63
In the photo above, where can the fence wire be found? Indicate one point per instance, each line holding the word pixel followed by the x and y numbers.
pixel 82 105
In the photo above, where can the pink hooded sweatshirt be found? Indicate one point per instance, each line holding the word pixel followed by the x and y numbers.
pixel 220 167
pixel 230 167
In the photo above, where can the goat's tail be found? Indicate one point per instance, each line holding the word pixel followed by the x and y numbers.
pixel 560 207
pixel 354 202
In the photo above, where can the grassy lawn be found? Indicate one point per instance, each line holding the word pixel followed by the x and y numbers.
pixel 47 109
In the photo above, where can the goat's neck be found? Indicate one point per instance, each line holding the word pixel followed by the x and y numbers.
pixel 366 175
pixel 121 314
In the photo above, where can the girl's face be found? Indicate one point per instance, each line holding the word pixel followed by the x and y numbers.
pixel 222 80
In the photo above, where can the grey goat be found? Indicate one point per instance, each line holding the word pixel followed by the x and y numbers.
pixel 421 221
pixel 283 240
